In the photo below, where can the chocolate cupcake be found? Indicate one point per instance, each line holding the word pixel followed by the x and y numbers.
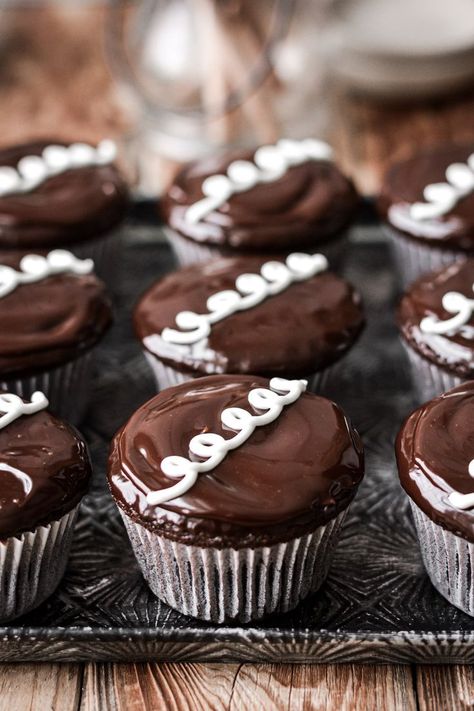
pixel 281 198
pixel 45 471
pixel 436 321
pixel 54 195
pixel 53 311
pixel 233 491
pixel 427 203
pixel 241 315
pixel 435 450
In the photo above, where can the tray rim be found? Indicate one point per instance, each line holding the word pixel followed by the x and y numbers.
pixel 251 646
pixel 234 643
pixel 227 633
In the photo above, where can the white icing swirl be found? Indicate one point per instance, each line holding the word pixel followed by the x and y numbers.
pixel 12 406
pixel 270 163
pixel 274 278
pixel 442 197
pixel 454 303
pixel 463 501
pixel 213 448
pixel 32 171
pixel 35 267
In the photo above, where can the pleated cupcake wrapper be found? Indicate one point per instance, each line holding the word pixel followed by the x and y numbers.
pixel 32 565
pixel 188 251
pixel 167 377
pixel 66 387
pixel 429 379
pixel 413 259
pixel 226 584
pixel 448 559
pixel 104 251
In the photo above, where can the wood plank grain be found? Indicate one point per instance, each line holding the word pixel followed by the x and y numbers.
pixel 40 687
pixel 330 687
pixel 445 688
pixel 273 687
pixel 174 687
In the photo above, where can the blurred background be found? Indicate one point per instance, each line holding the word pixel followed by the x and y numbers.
pixel 171 80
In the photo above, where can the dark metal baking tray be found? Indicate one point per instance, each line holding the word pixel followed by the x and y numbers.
pixel 377 603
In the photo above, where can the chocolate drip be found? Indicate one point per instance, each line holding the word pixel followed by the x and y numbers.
pixel 74 206
pixel 434 449
pixel 289 477
pixel 310 203
pixel 49 322
pixel 453 352
pixel 44 472
pixel 404 185
pixel 299 331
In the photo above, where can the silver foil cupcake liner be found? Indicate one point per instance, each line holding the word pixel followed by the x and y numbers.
pixel 227 584
pixel 66 387
pixel 448 559
pixel 188 251
pixel 32 565
pixel 413 259
pixel 167 377
pixel 429 380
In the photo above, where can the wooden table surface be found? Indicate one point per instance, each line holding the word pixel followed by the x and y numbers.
pixel 54 81
pixel 241 687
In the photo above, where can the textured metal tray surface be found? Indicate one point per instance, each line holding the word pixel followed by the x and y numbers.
pixel 377 603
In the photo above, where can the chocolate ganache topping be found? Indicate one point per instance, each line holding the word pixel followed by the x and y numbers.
pixel 405 185
pixel 49 322
pixel 72 206
pixel 308 204
pixel 44 472
pixel 287 478
pixel 434 450
pixel 296 332
pixel 445 337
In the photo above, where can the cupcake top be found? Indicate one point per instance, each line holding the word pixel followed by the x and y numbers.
pixel 52 309
pixel 436 317
pixel 250 315
pixel 435 452
pixel 53 194
pixel 430 197
pixel 235 461
pixel 290 195
pixel 44 465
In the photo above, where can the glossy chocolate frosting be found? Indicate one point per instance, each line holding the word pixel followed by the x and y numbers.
pixel 44 472
pixel 453 352
pixel 74 206
pixel 50 322
pixel 295 333
pixel 288 478
pixel 309 204
pixel 404 185
pixel 434 449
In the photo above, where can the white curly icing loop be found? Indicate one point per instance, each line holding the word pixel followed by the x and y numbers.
pixel 463 501
pixel 31 171
pixel 454 303
pixel 252 289
pixel 213 448
pixel 12 406
pixel 270 163
pixel 442 197
pixel 35 267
